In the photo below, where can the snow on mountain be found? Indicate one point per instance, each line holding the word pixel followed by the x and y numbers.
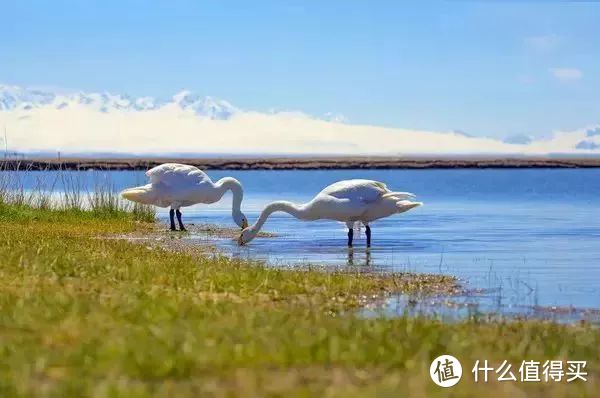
pixel 14 97
pixel 335 117
pixel 586 144
pixel 75 122
pixel 518 139
pixel 593 132
pixel 205 106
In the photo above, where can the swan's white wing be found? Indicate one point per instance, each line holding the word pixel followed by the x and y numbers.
pixel 357 191
pixel 174 174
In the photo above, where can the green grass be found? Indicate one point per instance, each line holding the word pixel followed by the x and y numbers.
pixel 86 316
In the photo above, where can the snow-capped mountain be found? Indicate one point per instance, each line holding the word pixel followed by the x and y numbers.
pixel 14 97
pixel 42 120
pixel 210 107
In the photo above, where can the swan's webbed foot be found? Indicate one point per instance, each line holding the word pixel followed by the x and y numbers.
pixel 368 233
pixel 350 236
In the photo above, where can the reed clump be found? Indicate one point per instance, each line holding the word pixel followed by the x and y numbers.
pixel 67 190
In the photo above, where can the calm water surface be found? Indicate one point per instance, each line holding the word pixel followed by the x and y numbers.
pixel 523 238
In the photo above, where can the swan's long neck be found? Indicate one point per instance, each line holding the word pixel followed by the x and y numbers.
pixel 231 184
pixel 293 209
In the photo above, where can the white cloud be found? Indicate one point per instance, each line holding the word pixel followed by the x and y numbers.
pixel 566 74
pixel 543 43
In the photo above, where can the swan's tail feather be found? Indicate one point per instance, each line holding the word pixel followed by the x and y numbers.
pixel 406 205
pixel 399 195
pixel 137 194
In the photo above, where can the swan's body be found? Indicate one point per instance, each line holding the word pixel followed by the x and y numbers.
pixel 348 201
pixel 179 185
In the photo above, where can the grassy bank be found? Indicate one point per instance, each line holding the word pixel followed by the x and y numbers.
pixel 82 315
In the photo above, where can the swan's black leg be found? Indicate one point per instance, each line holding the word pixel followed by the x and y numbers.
pixel 181 227
pixel 350 236
pixel 172 217
pixel 368 232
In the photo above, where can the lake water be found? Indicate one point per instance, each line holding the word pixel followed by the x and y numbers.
pixel 520 239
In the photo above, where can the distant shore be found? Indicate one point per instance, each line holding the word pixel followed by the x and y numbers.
pixel 299 163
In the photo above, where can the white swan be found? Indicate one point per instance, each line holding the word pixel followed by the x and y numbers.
pixel 348 201
pixel 180 185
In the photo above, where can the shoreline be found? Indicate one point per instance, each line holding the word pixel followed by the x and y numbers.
pixel 148 317
pixel 444 298
pixel 299 163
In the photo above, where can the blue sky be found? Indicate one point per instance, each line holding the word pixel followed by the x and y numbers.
pixel 490 68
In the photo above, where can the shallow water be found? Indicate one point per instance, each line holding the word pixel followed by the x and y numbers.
pixel 525 238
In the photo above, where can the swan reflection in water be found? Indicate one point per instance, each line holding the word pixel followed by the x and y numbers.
pixel 350 261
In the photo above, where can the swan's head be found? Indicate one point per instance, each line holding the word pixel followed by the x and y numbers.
pixel 247 235
pixel 240 219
